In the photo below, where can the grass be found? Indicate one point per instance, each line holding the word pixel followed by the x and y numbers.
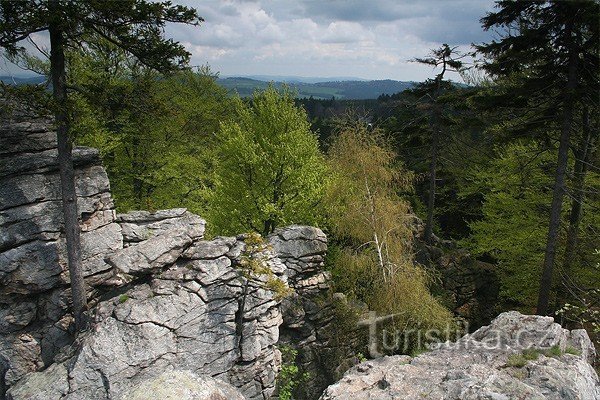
pixel 516 361
pixel 417 352
pixel 572 350
pixel 520 360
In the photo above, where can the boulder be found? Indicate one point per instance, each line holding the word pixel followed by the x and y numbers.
pixel 515 357
pixel 183 385
pixel 138 226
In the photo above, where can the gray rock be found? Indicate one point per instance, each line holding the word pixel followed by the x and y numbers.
pixel 16 315
pixel 142 225
pixel 183 385
pixel 24 352
pixel 478 366
pixel 31 268
pixel 45 161
pixel 22 134
pixel 154 253
pixel 187 317
pixel 50 384
pixel 215 248
pixel 298 241
pixel 34 325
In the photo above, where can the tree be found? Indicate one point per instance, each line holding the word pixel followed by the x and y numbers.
pixel 447 58
pixel 155 133
pixel 269 170
pixel 514 185
pixel 363 203
pixel 584 153
pixel 375 226
pixel 550 50
pixel 133 25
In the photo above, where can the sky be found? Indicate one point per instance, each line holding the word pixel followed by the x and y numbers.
pixel 369 39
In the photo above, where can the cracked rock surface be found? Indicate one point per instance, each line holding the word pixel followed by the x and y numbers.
pixel 163 298
pixel 483 365
pixel 186 314
pixel 34 291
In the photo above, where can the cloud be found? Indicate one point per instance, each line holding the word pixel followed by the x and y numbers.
pixel 330 37
pixel 374 39
pixel 345 32
pixel 360 11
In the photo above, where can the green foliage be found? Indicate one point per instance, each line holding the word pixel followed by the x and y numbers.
pixel 365 210
pixel 346 339
pixel 572 350
pixel 531 354
pixel 362 200
pixel 254 266
pixel 155 133
pixel 290 377
pixel 135 25
pixel 553 351
pixel 516 361
pixel 123 298
pixel 582 311
pixel 515 187
pixel 269 170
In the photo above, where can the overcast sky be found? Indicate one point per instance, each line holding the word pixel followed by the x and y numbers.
pixel 373 39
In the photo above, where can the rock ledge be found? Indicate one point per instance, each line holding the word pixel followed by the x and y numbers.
pixel 487 364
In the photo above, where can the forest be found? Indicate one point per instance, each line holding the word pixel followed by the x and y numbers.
pixel 505 167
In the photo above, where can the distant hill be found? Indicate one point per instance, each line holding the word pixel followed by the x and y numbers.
pixel 296 79
pixel 28 80
pixel 344 89
pixel 351 89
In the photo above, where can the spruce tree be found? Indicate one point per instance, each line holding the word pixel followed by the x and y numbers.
pixel 549 51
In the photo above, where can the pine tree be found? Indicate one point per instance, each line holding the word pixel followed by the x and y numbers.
pixel 447 59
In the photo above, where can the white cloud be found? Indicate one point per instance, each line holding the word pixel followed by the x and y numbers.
pixel 374 39
pixel 331 38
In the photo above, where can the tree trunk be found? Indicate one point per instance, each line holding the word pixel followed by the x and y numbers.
pixel 435 128
pixel 559 181
pixel 137 170
pixel 582 160
pixel 67 173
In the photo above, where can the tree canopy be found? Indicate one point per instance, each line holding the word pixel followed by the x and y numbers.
pixel 269 170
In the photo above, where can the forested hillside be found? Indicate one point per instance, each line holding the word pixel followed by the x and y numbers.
pixel 320 90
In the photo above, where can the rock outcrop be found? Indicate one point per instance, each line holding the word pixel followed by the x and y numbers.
pixel 516 357
pixel 185 304
pixel 183 385
pixel 162 297
pixel 314 320
pixel 34 293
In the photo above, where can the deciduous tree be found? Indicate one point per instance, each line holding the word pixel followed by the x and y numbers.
pixel 269 170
